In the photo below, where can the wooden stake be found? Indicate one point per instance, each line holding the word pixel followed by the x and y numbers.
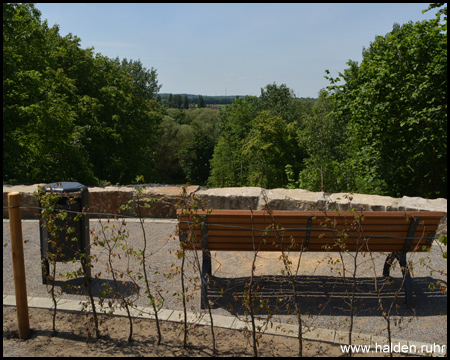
pixel 18 264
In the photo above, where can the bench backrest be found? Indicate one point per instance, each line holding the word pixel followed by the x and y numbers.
pixel 317 231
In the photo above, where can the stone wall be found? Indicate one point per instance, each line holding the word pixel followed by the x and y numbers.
pixel 108 200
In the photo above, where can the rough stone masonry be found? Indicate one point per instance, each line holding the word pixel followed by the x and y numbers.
pixel 107 200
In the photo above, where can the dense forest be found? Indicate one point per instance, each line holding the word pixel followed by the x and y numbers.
pixel 70 114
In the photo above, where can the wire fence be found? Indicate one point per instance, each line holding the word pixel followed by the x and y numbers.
pixel 345 233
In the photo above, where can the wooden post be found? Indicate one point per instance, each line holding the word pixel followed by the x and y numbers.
pixel 18 265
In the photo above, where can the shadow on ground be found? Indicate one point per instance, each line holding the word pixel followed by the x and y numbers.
pixel 77 286
pixel 326 295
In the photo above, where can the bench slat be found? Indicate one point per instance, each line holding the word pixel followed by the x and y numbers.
pixel 395 232
pixel 284 214
pixel 249 240
pixel 324 240
pixel 317 244
pixel 315 222
pixel 384 231
pixel 311 248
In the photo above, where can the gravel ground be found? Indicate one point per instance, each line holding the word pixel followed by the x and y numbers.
pixel 322 289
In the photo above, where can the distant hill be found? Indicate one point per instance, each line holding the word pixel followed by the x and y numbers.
pixel 163 95
pixel 208 100
pixel 193 99
pixel 204 96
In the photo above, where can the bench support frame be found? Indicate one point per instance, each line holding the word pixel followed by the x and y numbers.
pixel 206 260
pixel 206 263
pixel 308 232
pixel 401 257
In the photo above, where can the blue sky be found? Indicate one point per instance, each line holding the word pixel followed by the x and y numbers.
pixel 233 49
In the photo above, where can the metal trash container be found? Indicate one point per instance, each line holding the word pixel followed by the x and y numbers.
pixel 74 197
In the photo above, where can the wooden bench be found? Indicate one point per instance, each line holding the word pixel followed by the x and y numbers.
pixel 393 232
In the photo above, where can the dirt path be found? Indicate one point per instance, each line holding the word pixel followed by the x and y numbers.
pixel 71 339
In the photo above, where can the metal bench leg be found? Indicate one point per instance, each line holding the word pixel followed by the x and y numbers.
pixel 388 263
pixel 408 280
pixel 206 275
pixel 401 257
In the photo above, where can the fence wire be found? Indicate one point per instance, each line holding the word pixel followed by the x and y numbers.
pixel 227 226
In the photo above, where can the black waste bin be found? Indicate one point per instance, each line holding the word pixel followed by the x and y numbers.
pixel 74 197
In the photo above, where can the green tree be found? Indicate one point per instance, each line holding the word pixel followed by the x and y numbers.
pixel 228 165
pixel 185 102
pixel 259 137
pixel 280 101
pixel 41 137
pixel 195 159
pixel 395 107
pixel 125 126
pixel 270 145
pixel 439 13
pixel 177 102
pixel 145 81
pixel 324 139
pixel 70 115
pixel 179 116
pixel 204 126
pixel 201 103
pixel 186 143
pixel 173 140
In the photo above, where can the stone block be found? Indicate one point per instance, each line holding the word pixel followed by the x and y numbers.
pixel 419 203
pixel 166 201
pixel 109 199
pixel 231 198
pixel 346 201
pixel 27 199
pixel 291 199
